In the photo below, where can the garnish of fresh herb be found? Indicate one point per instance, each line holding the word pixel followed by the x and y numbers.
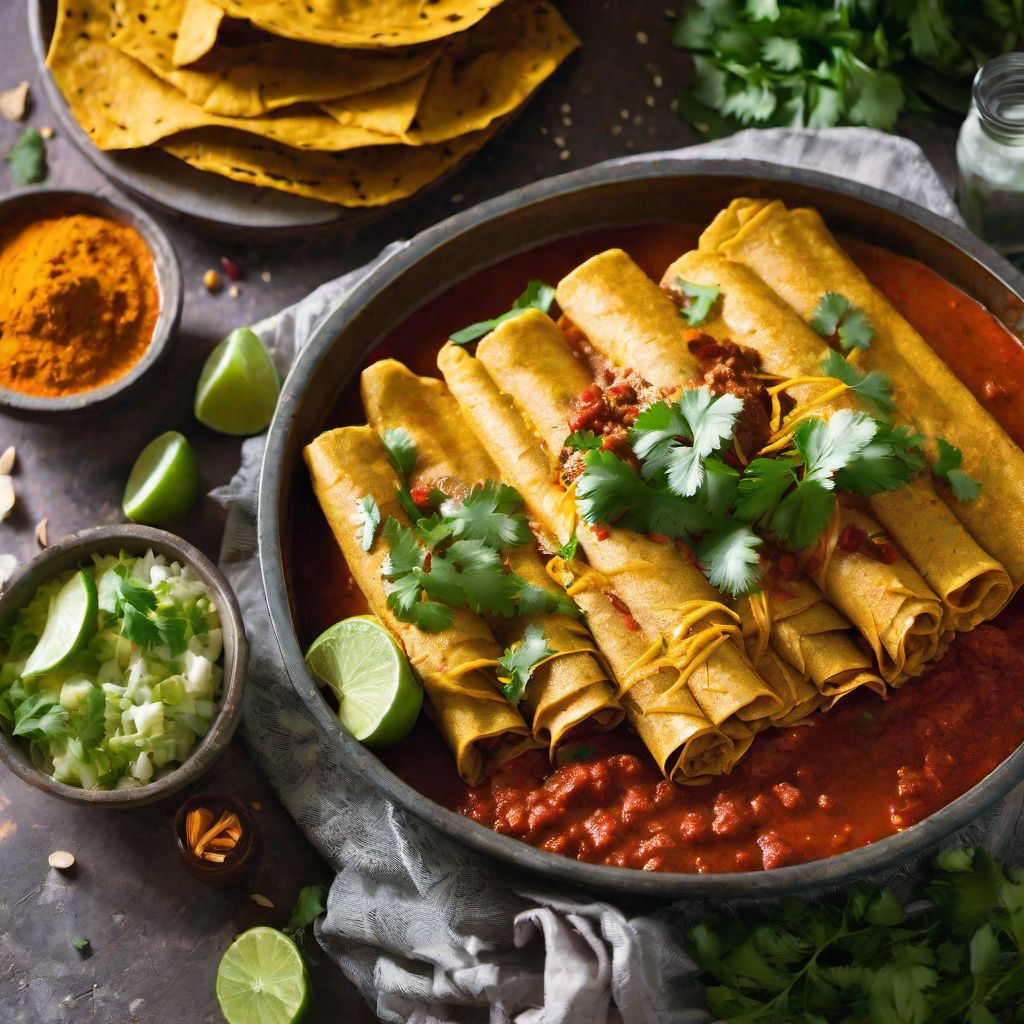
pixel 538 295
pixel 567 552
pixel 871 387
pixel 367 519
pixel 836 317
pixel 730 560
pixel 582 441
pixel 947 466
pixel 401 450
pixel 79 943
pixel 309 905
pixel 816 63
pixel 701 298
pixel 580 752
pixel 953 955
pixel 27 158
pixel 518 662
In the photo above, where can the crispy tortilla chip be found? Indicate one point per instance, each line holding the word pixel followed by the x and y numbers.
pixel 196 31
pixel 371 24
pixel 121 105
pixel 373 176
pixel 485 74
pixel 246 81
pixel 391 110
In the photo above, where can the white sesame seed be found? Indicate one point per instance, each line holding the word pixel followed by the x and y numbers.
pixel 624 114
pixel 566 108
pixel 564 155
pixel 658 81
pixel 638 120
pixel 559 141
pixel 266 276
pixel 649 101
pixel 616 129
pixel 642 38
pixel 567 122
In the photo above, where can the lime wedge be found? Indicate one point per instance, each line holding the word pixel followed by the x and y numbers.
pixel 238 388
pixel 262 979
pixel 69 626
pixel 163 482
pixel 379 696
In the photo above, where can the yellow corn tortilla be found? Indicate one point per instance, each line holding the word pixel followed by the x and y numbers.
pixel 487 72
pixel 196 31
pixel 972 585
pixel 794 253
pixel 684 743
pixel 370 24
pixel 570 689
pixel 478 724
pixel 373 176
pixel 247 81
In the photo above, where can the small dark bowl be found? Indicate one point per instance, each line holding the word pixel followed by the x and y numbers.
pixel 136 540
pixel 48 202
pixel 239 863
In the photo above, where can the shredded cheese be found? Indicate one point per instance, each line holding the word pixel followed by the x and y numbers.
pixel 782 428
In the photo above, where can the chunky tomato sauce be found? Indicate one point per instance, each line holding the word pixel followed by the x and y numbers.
pixel 866 770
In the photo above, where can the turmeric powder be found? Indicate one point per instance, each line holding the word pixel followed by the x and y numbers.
pixel 78 304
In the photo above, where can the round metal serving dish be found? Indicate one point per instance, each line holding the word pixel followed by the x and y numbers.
pixel 640 192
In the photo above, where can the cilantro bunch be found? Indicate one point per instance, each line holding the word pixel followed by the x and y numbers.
pixel 957 958
pixel 451 557
pixel 820 63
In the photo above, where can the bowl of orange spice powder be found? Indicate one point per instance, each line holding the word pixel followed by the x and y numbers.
pixel 90 296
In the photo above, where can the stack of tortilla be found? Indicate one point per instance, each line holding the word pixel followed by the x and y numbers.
pixel 356 102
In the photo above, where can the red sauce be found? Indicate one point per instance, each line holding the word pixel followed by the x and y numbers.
pixel 866 770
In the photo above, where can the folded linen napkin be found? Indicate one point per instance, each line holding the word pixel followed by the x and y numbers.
pixel 429 931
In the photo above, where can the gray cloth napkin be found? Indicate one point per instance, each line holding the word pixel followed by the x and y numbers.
pixel 426 929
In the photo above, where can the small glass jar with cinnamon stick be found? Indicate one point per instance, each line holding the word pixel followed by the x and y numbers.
pixel 217 839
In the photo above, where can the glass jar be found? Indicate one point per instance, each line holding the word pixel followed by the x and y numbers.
pixel 235 866
pixel 990 155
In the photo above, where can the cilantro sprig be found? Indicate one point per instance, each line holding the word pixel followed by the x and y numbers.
pixel 953 955
pixel 700 300
pixel 517 664
pixel 367 519
pixel 538 295
pixel 836 316
pixel 947 466
pixel 27 158
pixel 871 387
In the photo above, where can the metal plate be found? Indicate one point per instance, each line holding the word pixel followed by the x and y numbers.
pixel 172 185
pixel 638 192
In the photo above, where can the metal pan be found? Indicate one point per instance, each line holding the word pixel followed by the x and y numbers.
pixel 643 191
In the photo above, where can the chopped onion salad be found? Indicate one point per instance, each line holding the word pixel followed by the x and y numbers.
pixel 112 673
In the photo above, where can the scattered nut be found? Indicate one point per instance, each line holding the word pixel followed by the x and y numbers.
pixel 256 805
pixel 265 277
pixel 261 900
pixel 212 282
pixel 41 532
pixel 7 461
pixel 13 102
pixel 8 563
pixel 234 291
pixel 46 131
pixel 6 497
pixel 61 860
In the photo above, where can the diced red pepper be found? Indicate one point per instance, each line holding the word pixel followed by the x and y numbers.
pixel 601 532
pixel 888 553
pixel 420 494
pixel 631 623
pixel 851 538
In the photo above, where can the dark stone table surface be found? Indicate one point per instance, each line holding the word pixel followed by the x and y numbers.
pixel 156 934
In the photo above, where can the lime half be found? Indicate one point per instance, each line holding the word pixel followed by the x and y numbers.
pixel 238 387
pixel 379 697
pixel 69 626
pixel 262 979
pixel 163 482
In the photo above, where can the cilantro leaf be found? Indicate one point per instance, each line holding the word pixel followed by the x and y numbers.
pixel 40 716
pixel 517 664
pixel 567 551
pixel 309 905
pixel 491 513
pixel 701 299
pixel 92 723
pixel 826 446
pixel 367 519
pixel 803 513
pixel 871 387
pixel 137 626
pixel 409 507
pixel 401 450
pixel 79 943
pixel 719 490
pixel 27 158
pixel 886 463
pixel 582 441
pixel 781 53
pixel 836 316
pixel 538 295
pixel 729 558
pixel 762 486
pixel 947 466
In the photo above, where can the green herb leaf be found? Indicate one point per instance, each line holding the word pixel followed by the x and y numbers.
pixel 27 158
pixel 729 557
pixel 762 486
pixel 803 513
pixel 491 513
pixel 40 716
pixel 401 450
pixel 538 295
pixel 516 665
pixel 826 446
pixel 886 463
pixel 79 943
pixel 871 387
pixel 947 466
pixel 309 905
pixel 567 551
pixel 836 316
pixel 92 724
pixel 582 441
pixel 367 519
pixel 579 753
pixel 701 299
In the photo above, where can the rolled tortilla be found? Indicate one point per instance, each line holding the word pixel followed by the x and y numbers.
pixel 567 691
pixel 654 346
pixel 794 253
pixel 530 360
pixel 684 743
pixel 972 585
pixel 479 725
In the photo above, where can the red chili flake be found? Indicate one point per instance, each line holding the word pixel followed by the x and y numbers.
pixel 420 494
pixel 233 268
pixel 631 623
pixel 658 538
pixel 620 390
pixel 585 417
pixel 601 532
pixel 788 563
pixel 851 538
pixel 888 553
pixel 590 394
pixel 618 604
pixel 630 413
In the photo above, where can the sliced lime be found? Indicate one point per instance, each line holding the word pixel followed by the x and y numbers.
pixel 163 482
pixel 69 626
pixel 238 388
pixel 378 694
pixel 262 979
